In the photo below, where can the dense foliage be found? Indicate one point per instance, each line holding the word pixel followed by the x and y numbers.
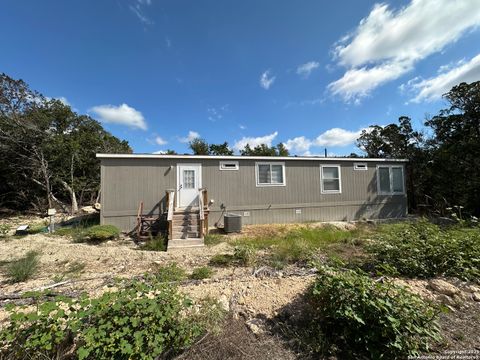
pixel 47 152
pixel 142 320
pixel 444 168
pixel 357 317
pixel 425 250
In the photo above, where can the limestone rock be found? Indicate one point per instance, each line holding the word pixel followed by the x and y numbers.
pixel 476 296
pixel 255 326
pixel 443 287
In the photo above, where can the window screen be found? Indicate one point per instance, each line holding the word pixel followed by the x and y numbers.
pixel 270 174
pixel 330 178
pixel 384 176
pixel 397 180
pixel 390 180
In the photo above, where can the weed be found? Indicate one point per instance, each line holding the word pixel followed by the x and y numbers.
pixel 213 239
pixel 158 243
pixel 222 260
pixel 22 269
pixel 201 273
pixel 425 250
pixel 170 273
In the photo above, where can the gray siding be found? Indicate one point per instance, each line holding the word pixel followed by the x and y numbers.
pixel 127 181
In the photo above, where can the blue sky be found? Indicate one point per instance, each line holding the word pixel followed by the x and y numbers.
pixel 308 73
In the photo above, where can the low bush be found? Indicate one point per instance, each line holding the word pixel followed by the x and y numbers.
pixel 143 320
pixel 158 243
pixel 37 229
pixel 170 273
pixel 97 234
pixel 201 273
pixel 355 316
pixel 425 250
pixel 22 269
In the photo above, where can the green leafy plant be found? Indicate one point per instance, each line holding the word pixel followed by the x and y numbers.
pixel 97 234
pixel 23 268
pixel 222 260
pixel 354 316
pixel 142 320
pixel 170 273
pixel 425 250
pixel 201 273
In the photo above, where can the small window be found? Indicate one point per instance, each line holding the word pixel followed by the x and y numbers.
pixel 390 180
pixel 360 166
pixel 270 174
pixel 331 179
pixel 228 165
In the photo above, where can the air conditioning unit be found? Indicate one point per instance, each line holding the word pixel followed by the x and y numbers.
pixel 232 223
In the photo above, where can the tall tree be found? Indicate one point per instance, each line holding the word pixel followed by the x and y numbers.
pixel 199 147
pixel 47 151
pixel 265 150
pixel 220 149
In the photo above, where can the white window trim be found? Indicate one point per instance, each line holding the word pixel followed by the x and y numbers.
pixel 339 191
pixel 270 163
pixel 390 175
pixel 364 168
pixel 222 163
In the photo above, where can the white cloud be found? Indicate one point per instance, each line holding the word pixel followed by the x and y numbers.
pixel 388 43
pixel 255 141
pixel 137 9
pixel 299 144
pixel 267 80
pixel 122 115
pixel 160 152
pixel 306 69
pixel 242 127
pixel 191 136
pixel 337 137
pixel 160 141
pixel 432 89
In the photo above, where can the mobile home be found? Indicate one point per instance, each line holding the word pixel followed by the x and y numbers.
pixel 260 189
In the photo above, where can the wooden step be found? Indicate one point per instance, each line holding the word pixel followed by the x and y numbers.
pixel 185 234
pixel 184 228
pixel 184 217
pixel 191 221
pixel 185 243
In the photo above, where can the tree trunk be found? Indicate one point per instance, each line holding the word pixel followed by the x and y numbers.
pixel 73 196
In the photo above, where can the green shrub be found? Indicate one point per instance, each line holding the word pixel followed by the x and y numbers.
pixel 22 269
pixel 97 234
pixel 357 317
pixel 201 273
pixel 143 320
pixel 425 250
pixel 158 243
pixel 170 273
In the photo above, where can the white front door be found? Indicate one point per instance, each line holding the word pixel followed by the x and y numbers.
pixel 189 181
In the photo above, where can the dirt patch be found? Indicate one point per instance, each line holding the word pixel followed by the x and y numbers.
pixel 237 342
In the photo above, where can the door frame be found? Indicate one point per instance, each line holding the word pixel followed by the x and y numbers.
pixel 199 184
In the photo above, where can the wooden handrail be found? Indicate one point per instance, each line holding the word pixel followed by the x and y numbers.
pixel 170 202
pixel 201 204
pixel 170 194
